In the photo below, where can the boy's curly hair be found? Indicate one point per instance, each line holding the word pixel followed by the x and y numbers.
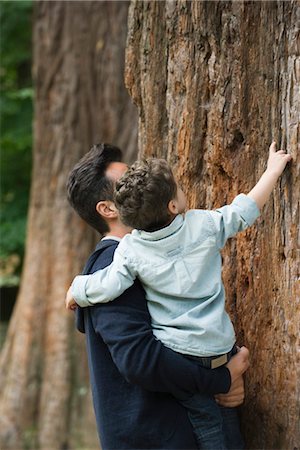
pixel 142 194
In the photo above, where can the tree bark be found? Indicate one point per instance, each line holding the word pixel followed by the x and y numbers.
pixel 214 83
pixel 80 99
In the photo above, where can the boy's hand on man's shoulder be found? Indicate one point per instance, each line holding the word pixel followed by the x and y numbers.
pixel 70 303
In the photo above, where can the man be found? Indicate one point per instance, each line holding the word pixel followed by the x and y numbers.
pixel 133 376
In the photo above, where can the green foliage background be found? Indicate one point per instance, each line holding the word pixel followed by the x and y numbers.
pixel 16 110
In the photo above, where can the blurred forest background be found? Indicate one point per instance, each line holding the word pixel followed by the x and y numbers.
pixel 16 111
pixel 209 84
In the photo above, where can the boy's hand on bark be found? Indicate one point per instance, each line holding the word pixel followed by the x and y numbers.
pixel 71 305
pixel 277 160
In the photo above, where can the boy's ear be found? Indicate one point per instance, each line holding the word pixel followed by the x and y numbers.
pixel 172 207
pixel 107 209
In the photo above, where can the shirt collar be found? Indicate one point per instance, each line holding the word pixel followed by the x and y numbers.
pixel 114 238
pixel 163 232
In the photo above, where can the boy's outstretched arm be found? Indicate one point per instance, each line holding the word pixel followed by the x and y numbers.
pixel 276 165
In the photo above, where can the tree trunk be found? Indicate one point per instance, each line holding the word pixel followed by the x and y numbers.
pixel 215 82
pixel 80 99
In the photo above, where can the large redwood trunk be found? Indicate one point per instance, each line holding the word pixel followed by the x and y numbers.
pixel 215 82
pixel 80 99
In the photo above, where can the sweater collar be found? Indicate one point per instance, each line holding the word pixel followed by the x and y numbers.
pixel 163 232
pixel 111 238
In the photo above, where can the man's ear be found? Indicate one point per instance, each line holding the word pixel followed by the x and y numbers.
pixel 107 209
pixel 172 207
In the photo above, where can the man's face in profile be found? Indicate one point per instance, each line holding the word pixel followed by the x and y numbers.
pixel 115 170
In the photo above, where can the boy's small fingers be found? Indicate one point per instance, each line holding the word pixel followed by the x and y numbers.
pixel 273 147
pixel 71 307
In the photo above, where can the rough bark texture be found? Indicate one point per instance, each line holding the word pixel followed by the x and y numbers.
pixel 215 82
pixel 79 50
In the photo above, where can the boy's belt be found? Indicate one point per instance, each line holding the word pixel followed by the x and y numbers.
pixel 212 362
pixel 220 360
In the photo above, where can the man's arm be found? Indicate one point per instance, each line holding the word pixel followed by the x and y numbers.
pixel 125 327
pixel 275 166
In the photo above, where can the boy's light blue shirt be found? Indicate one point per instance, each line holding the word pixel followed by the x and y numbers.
pixel 180 267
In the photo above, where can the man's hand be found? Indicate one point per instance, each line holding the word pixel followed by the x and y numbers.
pixel 71 305
pixel 238 364
pixel 235 396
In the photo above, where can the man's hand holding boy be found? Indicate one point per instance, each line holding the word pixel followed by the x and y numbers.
pixel 238 364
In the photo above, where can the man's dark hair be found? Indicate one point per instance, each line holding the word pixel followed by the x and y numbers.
pixel 87 184
pixel 142 194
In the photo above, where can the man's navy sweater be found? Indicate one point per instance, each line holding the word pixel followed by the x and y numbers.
pixel 134 378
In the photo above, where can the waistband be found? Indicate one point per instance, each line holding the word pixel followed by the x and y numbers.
pixel 212 362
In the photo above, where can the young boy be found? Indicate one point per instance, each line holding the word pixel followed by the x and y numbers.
pixel 177 258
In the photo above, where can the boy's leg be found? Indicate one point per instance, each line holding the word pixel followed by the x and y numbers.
pixel 231 423
pixel 231 429
pixel 215 427
pixel 207 421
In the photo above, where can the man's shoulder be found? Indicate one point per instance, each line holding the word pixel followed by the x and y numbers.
pixel 105 244
pixel 102 255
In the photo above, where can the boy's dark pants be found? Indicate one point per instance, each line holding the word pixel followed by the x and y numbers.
pixel 215 427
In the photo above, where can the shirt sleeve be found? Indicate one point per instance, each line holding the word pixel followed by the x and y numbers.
pixel 230 219
pixel 104 285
